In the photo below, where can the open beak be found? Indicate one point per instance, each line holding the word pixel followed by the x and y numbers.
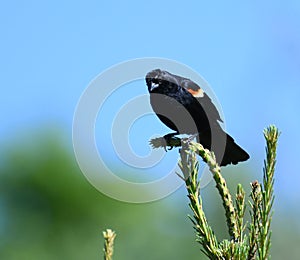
pixel 153 86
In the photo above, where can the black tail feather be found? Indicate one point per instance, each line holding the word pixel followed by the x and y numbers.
pixel 224 147
pixel 233 153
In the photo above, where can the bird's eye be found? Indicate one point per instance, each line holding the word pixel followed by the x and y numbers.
pixel 155 81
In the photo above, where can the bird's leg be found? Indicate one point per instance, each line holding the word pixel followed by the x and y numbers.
pixel 168 138
pixel 169 141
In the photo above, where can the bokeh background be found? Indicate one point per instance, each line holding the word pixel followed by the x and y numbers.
pixel 249 52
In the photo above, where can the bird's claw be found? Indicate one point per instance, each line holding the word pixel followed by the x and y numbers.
pixel 167 139
pixel 167 147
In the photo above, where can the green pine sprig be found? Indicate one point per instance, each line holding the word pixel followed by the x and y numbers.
pixel 242 245
pixel 257 242
pixel 109 237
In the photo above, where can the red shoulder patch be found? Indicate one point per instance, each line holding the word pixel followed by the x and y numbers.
pixel 196 93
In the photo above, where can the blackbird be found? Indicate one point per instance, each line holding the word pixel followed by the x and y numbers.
pixel 185 108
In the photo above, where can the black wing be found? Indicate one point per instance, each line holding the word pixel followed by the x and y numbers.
pixel 201 97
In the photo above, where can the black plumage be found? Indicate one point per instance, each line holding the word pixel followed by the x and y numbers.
pixel 185 108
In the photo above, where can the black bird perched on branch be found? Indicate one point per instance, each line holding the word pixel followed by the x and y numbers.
pixel 185 108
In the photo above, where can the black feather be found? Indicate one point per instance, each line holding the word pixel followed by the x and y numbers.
pixel 171 98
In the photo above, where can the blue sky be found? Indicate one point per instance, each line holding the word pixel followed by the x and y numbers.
pixel 248 51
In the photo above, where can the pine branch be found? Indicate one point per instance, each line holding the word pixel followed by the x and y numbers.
pixel 241 246
pixel 109 237
pixel 240 211
pixel 255 219
pixel 205 236
pixel 221 185
pixel 271 135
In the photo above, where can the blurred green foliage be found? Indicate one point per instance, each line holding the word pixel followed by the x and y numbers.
pixel 48 210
